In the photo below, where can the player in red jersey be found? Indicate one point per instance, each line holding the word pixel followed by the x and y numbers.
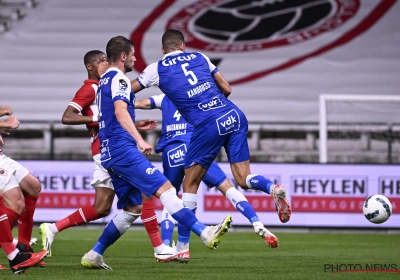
pixel 19 190
pixel 83 110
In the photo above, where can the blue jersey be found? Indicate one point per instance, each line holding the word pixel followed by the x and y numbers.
pixel 174 126
pixel 114 85
pixel 186 78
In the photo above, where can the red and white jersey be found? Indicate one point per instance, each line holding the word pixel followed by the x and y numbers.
pixel 85 102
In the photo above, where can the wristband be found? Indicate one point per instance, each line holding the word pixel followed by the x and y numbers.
pixel 95 118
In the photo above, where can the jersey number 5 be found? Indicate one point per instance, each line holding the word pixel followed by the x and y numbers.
pixel 192 80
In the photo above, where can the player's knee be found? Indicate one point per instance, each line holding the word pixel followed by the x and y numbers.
pixel 36 187
pixel 18 206
pixel 102 210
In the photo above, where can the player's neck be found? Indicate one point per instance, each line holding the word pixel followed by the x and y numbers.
pixel 120 66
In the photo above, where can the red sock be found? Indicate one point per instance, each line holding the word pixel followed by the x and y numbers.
pixel 81 216
pixel 6 237
pixel 25 223
pixel 12 216
pixel 149 219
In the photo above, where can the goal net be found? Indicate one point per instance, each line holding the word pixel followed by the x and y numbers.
pixel 359 129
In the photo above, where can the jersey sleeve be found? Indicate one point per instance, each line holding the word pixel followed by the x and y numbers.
pixel 121 88
pixel 211 66
pixel 149 77
pixel 84 97
pixel 156 101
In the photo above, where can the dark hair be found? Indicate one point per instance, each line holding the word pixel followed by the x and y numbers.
pixel 116 46
pixel 90 56
pixel 172 39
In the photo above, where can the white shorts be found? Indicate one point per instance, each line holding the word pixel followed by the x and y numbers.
pixel 11 173
pixel 101 178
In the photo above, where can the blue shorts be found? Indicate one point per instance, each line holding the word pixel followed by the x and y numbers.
pixel 131 174
pixel 173 158
pixel 229 131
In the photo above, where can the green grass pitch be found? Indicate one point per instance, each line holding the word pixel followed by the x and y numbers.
pixel 241 255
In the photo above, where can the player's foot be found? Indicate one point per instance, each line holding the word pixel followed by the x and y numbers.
pixel 47 237
pixel 23 261
pixel 182 256
pixel 2 267
pixel 212 235
pixel 24 249
pixel 171 254
pixel 94 260
pixel 271 240
pixel 282 204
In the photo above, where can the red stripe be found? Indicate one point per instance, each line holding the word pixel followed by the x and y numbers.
pixel 364 25
pixel 138 33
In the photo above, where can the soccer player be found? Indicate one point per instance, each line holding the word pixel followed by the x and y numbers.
pixel 123 152
pixel 173 143
pixel 199 92
pixel 12 175
pixel 83 110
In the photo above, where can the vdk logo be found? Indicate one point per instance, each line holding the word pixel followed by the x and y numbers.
pixel 177 155
pixel 228 123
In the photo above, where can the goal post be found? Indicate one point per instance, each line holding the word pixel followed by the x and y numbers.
pixel 325 99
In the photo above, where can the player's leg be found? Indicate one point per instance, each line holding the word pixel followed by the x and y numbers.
pixel 210 235
pixel 237 150
pixel 13 201
pixel 216 177
pixel 149 220
pixel 31 188
pixel 130 200
pixel 104 197
pixel 174 171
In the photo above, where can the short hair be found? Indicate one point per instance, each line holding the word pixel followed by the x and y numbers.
pixel 90 56
pixel 116 46
pixel 171 39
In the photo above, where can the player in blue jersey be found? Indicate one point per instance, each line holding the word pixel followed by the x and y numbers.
pixel 199 92
pixel 173 143
pixel 122 153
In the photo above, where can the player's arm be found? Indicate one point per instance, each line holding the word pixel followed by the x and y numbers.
pixel 136 86
pixel 5 111
pixel 143 104
pixel 146 124
pixel 222 84
pixel 72 116
pixel 123 117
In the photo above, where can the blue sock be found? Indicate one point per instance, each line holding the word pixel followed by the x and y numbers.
pixel 259 182
pixel 247 210
pixel 167 229
pixel 108 237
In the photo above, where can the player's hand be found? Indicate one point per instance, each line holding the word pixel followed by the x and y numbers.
pixel 146 125
pixel 102 67
pixel 145 148
pixel 12 122
pixel 6 110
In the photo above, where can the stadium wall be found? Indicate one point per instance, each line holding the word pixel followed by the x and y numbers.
pixel 320 195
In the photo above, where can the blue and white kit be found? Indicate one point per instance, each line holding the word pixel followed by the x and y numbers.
pixel 186 78
pixel 130 171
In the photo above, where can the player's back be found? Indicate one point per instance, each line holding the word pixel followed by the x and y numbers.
pixel 174 126
pixel 186 78
pixel 113 85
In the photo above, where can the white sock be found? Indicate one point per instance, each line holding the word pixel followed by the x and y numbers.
pixel 124 219
pixel 159 249
pixel 53 229
pixel 12 255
